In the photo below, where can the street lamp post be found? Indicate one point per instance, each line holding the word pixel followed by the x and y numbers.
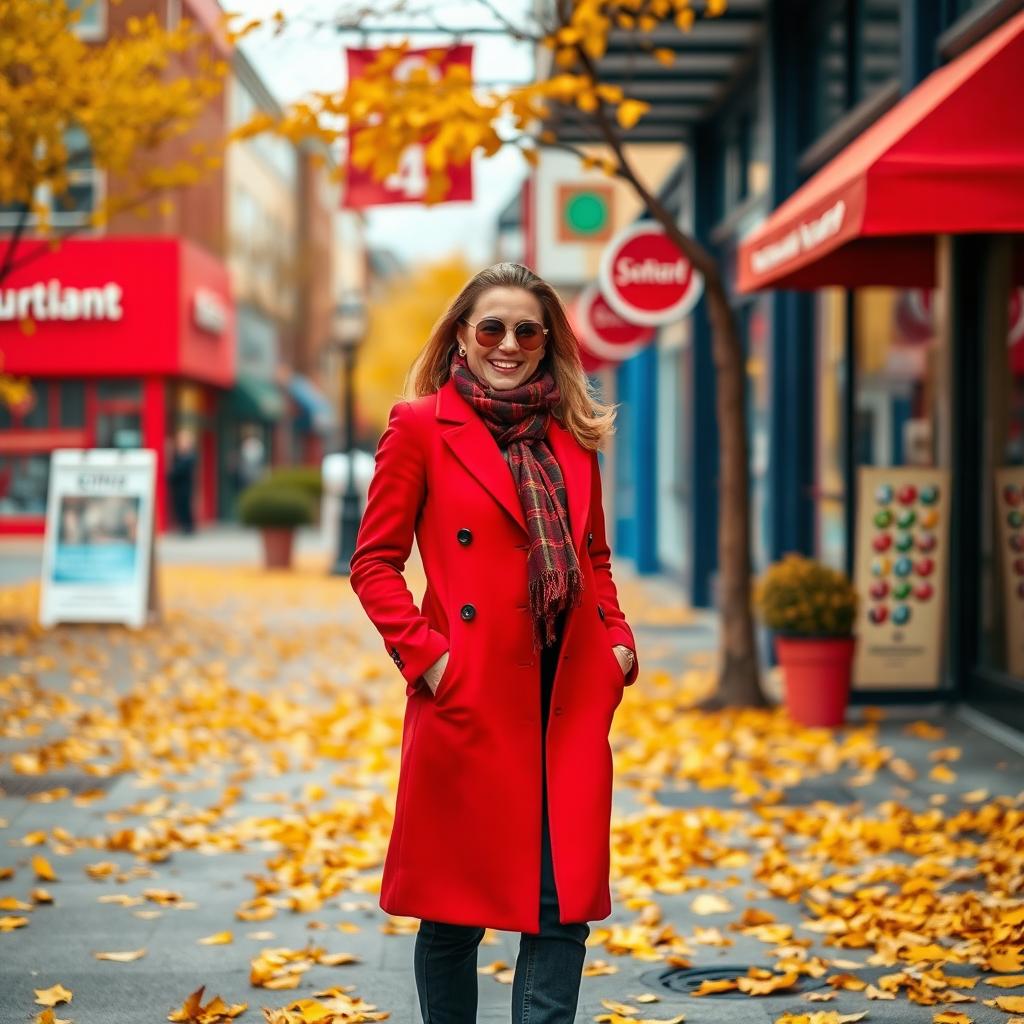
pixel 349 329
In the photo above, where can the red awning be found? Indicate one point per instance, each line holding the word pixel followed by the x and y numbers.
pixel 947 159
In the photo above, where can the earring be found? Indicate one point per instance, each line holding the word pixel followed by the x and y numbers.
pixel 462 351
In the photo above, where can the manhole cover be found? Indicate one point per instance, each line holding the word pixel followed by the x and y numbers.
pixel 685 980
pixel 29 785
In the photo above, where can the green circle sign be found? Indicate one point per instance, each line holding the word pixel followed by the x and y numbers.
pixel 586 212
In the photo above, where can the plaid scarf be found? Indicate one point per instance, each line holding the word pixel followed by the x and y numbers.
pixel 517 419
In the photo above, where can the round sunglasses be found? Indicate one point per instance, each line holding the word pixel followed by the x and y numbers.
pixel 490 332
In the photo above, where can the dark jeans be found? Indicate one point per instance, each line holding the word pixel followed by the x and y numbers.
pixel 546 986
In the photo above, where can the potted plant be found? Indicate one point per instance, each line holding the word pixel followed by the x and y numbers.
pixel 276 509
pixel 305 478
pixel 811 609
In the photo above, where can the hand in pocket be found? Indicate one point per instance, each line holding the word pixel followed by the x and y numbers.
pixel 434 673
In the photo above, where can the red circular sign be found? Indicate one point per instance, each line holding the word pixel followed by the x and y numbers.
pixel 591 361
pixel 646 279
pixel 601 322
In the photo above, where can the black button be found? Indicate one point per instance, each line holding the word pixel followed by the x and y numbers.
pixel 464 535
pixel 467 612
pixel 600 611
pixel 590 538
pixel 558 710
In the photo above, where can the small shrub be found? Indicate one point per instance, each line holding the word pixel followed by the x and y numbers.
pixel 803 597
pixel 305 478
pixel 267 504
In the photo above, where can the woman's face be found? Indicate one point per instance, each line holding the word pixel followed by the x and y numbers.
pixel 506 365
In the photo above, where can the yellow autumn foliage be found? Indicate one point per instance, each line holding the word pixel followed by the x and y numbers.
pixel 401 318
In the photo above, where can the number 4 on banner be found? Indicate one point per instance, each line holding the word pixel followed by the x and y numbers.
pixel 410 180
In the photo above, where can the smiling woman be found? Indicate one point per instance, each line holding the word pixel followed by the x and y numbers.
pixel 492 467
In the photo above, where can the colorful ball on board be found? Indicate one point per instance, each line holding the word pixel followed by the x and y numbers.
pixel 1012 494
pixel 878 614
pixel 926 542
pixel 879 589
pixel 1016 542
pixel 901 591
pixel 883 494
pixel 929 518
pixel 901 614
pixel 883 518
pixel 881 566
pixel 907 494
pixel 929 494
pixel 903 566
pixel 923 591
pixel 925 566
pixel 906 518
pixel 904 541
pixel 881 542
pixel 1015 518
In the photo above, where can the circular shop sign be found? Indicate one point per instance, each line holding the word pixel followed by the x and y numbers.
pixel 646 279
pixel 604 332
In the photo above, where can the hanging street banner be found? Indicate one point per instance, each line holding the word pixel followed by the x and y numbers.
pixel 409 183
pixel 606 334
pixel 98 552
pixel 646 279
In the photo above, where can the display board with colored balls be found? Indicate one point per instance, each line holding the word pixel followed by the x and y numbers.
pixel 1009 510
pixel 900 559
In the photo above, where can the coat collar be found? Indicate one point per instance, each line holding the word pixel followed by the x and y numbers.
pixel 475 447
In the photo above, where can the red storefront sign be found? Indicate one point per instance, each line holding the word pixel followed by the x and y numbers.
pixel 117 306
pixel 606 334
pixel 409 183
pixel 646 279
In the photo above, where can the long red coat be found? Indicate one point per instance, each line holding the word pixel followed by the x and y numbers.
pixel 466 842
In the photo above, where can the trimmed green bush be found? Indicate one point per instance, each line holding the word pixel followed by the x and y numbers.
pixel 272 504
pixel 305 478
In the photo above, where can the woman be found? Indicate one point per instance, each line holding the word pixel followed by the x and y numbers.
pixel 492 465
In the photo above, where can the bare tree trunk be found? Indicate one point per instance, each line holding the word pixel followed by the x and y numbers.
pixel 739 681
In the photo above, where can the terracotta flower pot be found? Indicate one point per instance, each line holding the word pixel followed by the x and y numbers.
pixel 816 671
pixel 277 546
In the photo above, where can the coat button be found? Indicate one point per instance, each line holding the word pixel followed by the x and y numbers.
pixel 467 612
pixel 464 535
pixel 590 538
pixel 600 611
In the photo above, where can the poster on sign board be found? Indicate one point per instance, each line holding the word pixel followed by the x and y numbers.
pixel 901 553
pixel 98 551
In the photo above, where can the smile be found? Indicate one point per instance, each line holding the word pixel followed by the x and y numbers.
pixel 504 365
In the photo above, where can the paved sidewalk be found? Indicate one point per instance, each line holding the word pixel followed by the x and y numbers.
pixel 259 726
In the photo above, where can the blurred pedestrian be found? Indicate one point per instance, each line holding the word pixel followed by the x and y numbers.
pixel 181 479
pixel 492 467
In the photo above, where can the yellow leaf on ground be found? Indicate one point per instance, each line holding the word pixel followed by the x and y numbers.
pixel 53 996
pixel 950 1017
pixel 217 939
pixel 1012 1004
pixel 44 871
pixel 710 903
pixel 1007 980
pixel 122 957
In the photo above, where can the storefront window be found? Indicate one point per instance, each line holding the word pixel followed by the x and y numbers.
pixel 880 45
pixel 72 404
pixel 896 397
pixel 92 19
pixel 830 64
pixel 128 390
pixel 1001 643
pixel 23 484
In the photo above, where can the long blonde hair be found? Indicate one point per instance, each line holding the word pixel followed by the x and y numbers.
pixel 588 419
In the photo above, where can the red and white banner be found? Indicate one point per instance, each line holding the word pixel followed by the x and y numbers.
pixel 646 279
pixel 409 183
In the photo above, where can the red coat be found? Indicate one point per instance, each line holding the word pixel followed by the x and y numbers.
pixel 465 846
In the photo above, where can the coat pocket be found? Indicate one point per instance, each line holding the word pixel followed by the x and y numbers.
pixel 442 683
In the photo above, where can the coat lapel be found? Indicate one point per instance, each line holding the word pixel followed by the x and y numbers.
pixel 476 449
pixel 472 444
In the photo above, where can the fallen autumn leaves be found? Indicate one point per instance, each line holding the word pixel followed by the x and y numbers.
pixel 255 676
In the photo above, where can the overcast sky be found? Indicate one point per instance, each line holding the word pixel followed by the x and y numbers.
pixel 309 55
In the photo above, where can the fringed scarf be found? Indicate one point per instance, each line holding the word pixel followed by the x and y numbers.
pixel 518 419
